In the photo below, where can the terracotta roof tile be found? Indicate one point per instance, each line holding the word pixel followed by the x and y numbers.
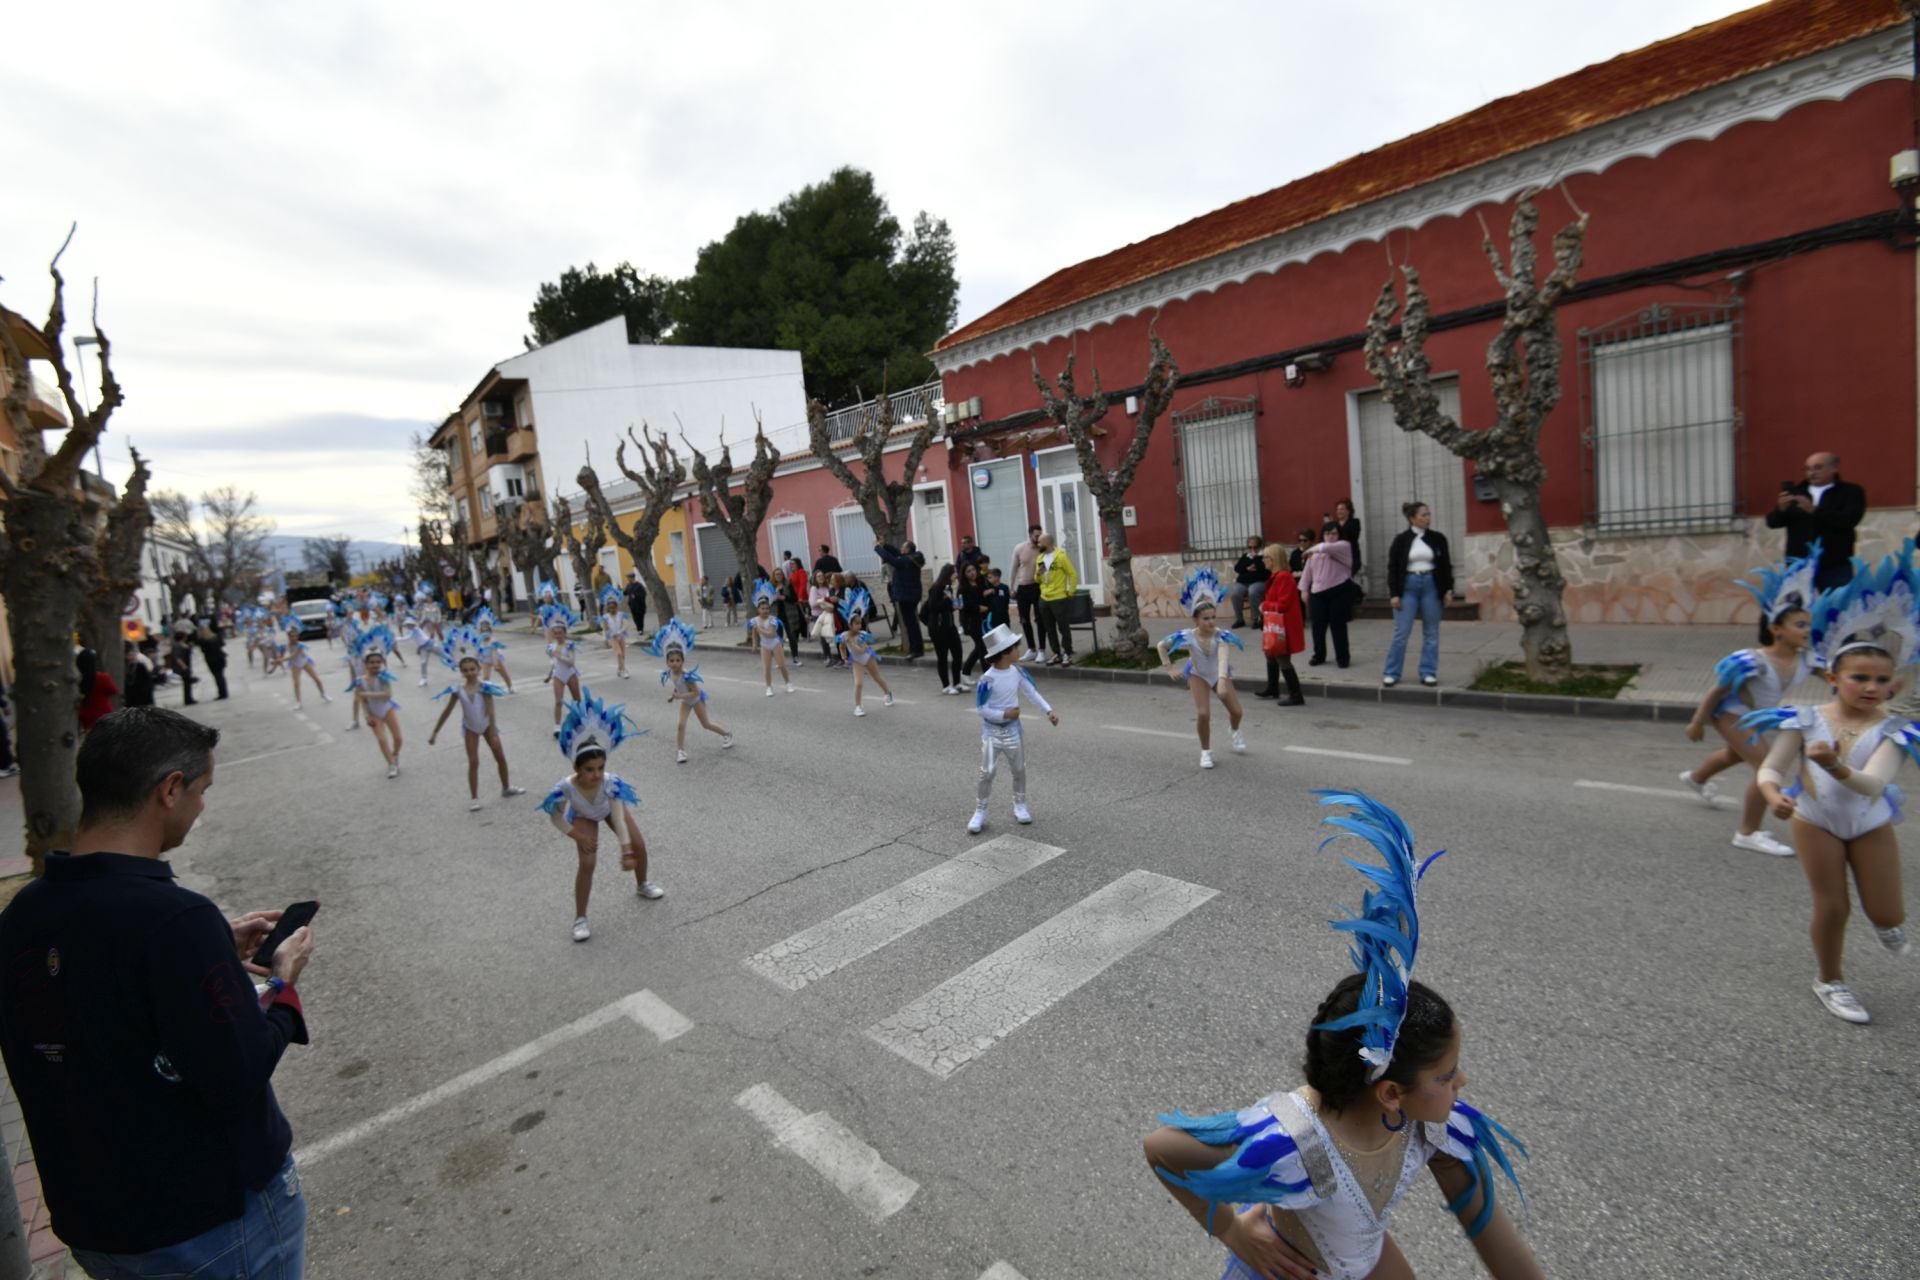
pixel 1739 45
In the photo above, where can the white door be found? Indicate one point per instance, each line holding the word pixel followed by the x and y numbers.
pixel 610 565
pixel 788 534
pixel 932 532
pixel 1396 467
pixel 1067 512
pixel 682 576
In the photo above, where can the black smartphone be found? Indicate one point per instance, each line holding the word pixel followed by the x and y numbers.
pixel 292 918
pixel 1786 486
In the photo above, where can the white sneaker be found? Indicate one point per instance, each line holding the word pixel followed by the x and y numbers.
pixel 649 890
pixel 769 691
pixel 1895 940
pixel 964 684
pixel 948 691
pixel 509 792
pixel 797 664
pixel 473 806
pixel 726 740
pixel 354 725
pixel 679 757
pixel 325 698
pixel 976 822
pixel 423 679
pixel 1707 792
pixel 1388 682
pixel 1239 740
pixel 888 702
pixel 1029 656
pixel 580 931
pixel 1762 842
pixel 1841 1002
pixel 859 711
pixel 1206 759
pixel 789 686
pixel 393 771
pixel 1020 812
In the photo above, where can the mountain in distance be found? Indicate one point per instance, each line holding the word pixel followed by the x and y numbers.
pixel 288 552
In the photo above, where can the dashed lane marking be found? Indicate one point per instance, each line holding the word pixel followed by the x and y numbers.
pixel 268 755
pixel 1001 1271
pixel 1348 755
pixel 969 1013
pixel 876 1188
pixel 1668 792
pixel 864 928
pixel 1155 733
pixel 642 1007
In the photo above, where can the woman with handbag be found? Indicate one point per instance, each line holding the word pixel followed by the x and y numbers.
pixel 1282 630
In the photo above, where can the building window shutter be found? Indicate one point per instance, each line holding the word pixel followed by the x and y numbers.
pixel 1219 475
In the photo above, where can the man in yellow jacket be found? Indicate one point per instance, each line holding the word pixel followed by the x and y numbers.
pixel 1058 582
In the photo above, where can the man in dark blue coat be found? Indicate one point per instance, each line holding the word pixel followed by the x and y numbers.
pixel 904 589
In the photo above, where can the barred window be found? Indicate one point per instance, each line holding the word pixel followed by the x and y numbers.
pixel 853 542
pixel 1219 474
pixel 1663 419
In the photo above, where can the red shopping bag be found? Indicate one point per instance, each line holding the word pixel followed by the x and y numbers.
pixel 1273 638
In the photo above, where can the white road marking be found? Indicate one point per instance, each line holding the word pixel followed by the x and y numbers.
pixel 799 688
pixel 876 1188
pixel 967 1014
pixel 642 1007
pixel 1157 733
pixel 1348 755
pixel 1668 792
pixel 268 755
pixel 864 928
pixel 1001 1271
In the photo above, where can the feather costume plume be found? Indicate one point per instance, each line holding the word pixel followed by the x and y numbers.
pixel 374 639
pixel 1789 587
pixel 548 592
pixel 591 725
pixel 484 618
pixel 857 602
pixel 1202 591
pixel 673 634
pixel 610 598
pixel 462 643
pixel 552 615
pixel 764 592
pixel 1879 609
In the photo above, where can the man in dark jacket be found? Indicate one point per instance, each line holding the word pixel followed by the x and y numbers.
pixel 138 1047
pixel 905 589
pixel 637 604
pixel 214 651
pixel 1822 508
pixel 825 562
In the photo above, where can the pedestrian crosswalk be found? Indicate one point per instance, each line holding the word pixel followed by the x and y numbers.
pixel 968 1014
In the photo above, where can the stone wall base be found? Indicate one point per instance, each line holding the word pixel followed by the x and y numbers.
pixel 1659 578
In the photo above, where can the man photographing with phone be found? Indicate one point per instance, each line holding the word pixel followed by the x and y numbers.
pixel 134 1036
pixel 1821 508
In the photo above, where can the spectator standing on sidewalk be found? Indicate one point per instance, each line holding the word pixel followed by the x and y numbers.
pixel 1419 580
pixel 636 594
pixel 1825 509
pixel 1283 631
pixel 97 689
pixel 139 692
pixel 180 658
pixel 971 555
pixel 972 590
pixel 135 1040
pixel 1026 590
pixel 905 590
pixel 1328 583
pixel 1250 574
pixel 826 564
pixel 1058 583
pixel 213 651
pixel 937 613
pixel 1350 532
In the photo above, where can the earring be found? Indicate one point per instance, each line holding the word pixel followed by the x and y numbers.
pixel 1394 1128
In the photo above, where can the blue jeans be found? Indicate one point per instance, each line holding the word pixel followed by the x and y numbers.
pixel 268 1241
pixel 1247 595
pixel 1420 595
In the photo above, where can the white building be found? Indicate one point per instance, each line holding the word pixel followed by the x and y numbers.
pixel 160 557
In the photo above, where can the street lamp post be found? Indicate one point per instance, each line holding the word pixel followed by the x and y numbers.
pixel 86 397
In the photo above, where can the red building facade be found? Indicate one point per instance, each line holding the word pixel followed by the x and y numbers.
pixel 1747 297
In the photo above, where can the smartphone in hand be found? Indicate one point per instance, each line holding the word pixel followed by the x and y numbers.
pixel 300 913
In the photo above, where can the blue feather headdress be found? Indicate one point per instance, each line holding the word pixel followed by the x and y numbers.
pixel 484 618
pixel 764 593
pixel 857 601
pixel 377 600
pixel 461 643
pixel 552 615
pixel 1789 587
pixel 547 592
pixel 611 598
pixel 1386 929
pixel 591 725
pixel 1203 591
pixel 673 634
pixel 371 639
pixel 1879 609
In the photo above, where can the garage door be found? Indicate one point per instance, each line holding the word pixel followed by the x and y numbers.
pixel 717 561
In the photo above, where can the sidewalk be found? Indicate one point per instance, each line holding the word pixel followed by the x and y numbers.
pixel 50 1260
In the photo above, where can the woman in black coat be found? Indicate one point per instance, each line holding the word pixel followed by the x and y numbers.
pixel 972 589
pixel 1419 580
pixel 937 612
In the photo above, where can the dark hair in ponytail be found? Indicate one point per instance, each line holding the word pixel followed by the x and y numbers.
pixel 1766 625
pixel 1333 1065
pixel 1411 509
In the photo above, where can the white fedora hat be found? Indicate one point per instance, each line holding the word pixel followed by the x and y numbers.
pixel 1000 639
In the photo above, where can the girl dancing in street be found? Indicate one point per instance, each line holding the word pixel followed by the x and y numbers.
pixel 613 624
pixel 673 643
pixel 373 697
pixel 589 796
pixel 563 660
pixel 770 633
pixel 474 697
pixel 493 653
pixel 858 643
pixel 1208 671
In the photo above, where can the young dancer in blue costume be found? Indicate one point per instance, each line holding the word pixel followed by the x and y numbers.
pixel 1831 768
pixel 1208 671
pixel 1753 679
pixel 770 634
pixel 1304 1183
pixel 373 696
pixel 613 625
pixel 672 643
pixel 997 697
pixel 856 642
pixel 563 659
pixel 589 796
pixel 461 650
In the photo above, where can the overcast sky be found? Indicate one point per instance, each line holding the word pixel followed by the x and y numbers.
pixel 316 226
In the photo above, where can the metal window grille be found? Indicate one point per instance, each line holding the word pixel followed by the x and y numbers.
pixel 853 540
pixel 1662 413
pixel 1220 474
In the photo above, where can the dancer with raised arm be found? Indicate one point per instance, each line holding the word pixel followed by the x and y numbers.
pixel 1303 1184
pixel 1208 671
pixel 673 643
pixel 474 697
pixel 613 625
pixel 563 658
pixel 857 642
pixel 373 696
pixel 770 633
pixel 591 795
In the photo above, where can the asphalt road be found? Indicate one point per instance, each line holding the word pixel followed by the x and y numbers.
pixel 858 1102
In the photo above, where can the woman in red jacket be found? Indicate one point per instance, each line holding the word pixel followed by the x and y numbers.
pixel 97 689
pixel 1282 633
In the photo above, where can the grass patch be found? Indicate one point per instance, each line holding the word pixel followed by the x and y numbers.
pixel 1110 660
pixel 1587 681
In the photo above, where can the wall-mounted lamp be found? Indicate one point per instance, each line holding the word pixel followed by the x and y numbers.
pixel 1300 366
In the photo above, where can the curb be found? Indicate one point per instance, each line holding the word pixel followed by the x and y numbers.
pixel 1544 704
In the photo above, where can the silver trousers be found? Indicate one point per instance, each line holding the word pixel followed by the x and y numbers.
pixel 1002 742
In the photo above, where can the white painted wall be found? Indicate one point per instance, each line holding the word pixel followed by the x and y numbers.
pixel 589 387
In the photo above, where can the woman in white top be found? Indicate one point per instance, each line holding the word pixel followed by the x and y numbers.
pixel 1419 580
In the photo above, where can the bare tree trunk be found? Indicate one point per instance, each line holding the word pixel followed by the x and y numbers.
pixel 119 577
pixel 1079 416
pixel 739 515
pixel 659 479
pixel 48 559
pixel 1523 364
pixel 887 504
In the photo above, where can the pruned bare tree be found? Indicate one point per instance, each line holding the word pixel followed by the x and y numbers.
pixel 1523 363
pixel 226 539
pixel 582 546
pixel 738 514
pixel 532 545
pixel 326 556
pixel 659 479
pixel 1080 417
pixel 431 484
pixel 887 504
pixel 117 573
pixel 49 561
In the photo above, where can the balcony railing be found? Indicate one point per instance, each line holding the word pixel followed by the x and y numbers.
pixel 912 405
pixel 497 444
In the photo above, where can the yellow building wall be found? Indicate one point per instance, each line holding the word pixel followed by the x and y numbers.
pixel 674 521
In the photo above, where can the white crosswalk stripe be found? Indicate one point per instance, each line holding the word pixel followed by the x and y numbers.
pixel 876 1188
pixel 968 1014
pixel 864 928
